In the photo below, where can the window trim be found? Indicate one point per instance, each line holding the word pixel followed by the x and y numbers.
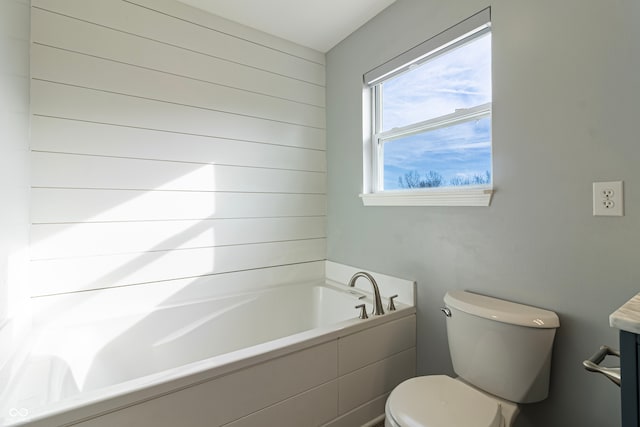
pixel 374 138
pixel 445 196
pixel 461 115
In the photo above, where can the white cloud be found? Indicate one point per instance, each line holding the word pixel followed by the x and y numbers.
pixel 458 79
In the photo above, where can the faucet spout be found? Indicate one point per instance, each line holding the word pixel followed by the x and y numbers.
pixel 377 309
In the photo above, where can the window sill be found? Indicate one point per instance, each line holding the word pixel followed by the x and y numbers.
pixel 434 197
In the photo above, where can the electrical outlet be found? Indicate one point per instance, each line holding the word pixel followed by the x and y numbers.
pixel 608 199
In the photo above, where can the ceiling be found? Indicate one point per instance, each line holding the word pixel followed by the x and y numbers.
pixel 318 24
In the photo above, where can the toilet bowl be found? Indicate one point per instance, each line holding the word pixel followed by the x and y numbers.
pixel 501 352
pixel 442 401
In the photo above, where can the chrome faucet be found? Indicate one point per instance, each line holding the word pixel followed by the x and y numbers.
pixel 377 308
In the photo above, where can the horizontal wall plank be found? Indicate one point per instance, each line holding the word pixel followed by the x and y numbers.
pixel 89 239
pixel 144 22
pixel 61 31
pixel 196 16
pixel 77 205
pixel 73 274
pixel 81 171
pixel 57 100
pixel 62 66
pixel 183 291
pixel 71 136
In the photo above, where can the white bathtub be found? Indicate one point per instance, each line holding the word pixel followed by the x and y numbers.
pixel 295 355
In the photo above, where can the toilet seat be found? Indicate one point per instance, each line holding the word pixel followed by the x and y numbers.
pixel 441 401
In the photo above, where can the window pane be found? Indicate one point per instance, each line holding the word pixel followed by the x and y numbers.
pixel 458 155
pixel 460 78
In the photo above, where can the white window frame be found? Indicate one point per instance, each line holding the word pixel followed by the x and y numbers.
pixel 374 138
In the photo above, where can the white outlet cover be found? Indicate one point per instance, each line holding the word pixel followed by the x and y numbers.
pixel 608 198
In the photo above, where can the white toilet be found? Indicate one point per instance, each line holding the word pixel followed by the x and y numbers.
pixel 501 352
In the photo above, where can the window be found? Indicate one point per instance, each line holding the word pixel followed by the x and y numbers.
pixel 430 141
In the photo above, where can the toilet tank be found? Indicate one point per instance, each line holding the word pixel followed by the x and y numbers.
pixel 501 347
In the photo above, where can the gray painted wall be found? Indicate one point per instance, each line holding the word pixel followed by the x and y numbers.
pixel 566 86
pixel 14 161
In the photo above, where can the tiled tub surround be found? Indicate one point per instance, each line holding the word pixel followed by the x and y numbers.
pixel 294 355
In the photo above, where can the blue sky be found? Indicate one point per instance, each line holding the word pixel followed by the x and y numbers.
pixel 462 151
pixel 457 79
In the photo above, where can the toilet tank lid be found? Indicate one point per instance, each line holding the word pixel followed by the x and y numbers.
pixel 501 311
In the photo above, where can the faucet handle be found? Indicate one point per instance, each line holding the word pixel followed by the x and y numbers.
pixel 363 311
pixel 392 306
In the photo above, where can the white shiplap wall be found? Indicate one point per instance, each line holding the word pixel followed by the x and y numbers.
pixel 170 144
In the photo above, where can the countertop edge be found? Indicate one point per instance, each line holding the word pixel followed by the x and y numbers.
pixel 627 317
